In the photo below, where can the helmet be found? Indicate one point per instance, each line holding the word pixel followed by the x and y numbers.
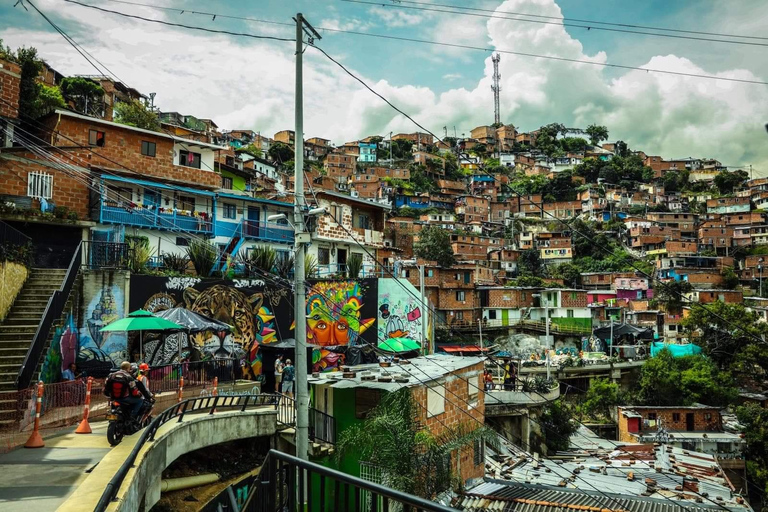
pixel 144 367
pixel 134 369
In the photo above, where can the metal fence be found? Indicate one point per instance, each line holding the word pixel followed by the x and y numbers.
pixel 11 235
pixel 166 378
pixel 106 255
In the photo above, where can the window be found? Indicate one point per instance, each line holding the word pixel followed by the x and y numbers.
pixel 323 256
pixel 523 295
pixel 226 183
pixel 459 315
pixel 182 241
pixel 40 185
pixel 430 272
pixel 652 416
pixel 460 295
pixel 478 456
pixel 473 387
pixel 230 212
pixel 189 159
pixel 675 416
pixel 707 416
pixel 148 148
pixel 363 221
pixel 435 401
pixel 507 296
pixel 186 203
pixel 574 295
pixel 491 314
pixel 569 313
pixel 96 138
pixel 723 447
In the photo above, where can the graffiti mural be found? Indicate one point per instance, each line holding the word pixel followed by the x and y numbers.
pixel 401 313
pixel 338 312
pixel 244 304
pixel 98 352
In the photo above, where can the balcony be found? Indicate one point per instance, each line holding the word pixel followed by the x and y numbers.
pixel 156 218
pixel 256 230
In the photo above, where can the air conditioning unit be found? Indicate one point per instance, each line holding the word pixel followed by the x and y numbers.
pixel 354 193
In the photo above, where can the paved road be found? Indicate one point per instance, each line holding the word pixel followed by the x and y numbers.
pixel 37 480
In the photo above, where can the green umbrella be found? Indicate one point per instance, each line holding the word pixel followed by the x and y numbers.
pixel 399 345
pixel 141 320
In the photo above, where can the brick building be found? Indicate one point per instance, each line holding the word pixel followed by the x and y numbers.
pixel 340 165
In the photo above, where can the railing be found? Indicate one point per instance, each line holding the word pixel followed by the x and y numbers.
pixel 52 313
pixel 322 426
pixel 11 235
pixel 154 218
pixel 270 231
pixel 166 378
pixel 367 270
pixel 211 403
pixel 286 481
pixel 106 255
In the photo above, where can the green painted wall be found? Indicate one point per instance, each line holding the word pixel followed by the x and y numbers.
pixel 238 182
pixel 582 323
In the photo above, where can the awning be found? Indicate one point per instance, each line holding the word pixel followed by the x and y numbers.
pixel 459 348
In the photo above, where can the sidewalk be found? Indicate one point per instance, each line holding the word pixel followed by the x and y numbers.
pixel 41 479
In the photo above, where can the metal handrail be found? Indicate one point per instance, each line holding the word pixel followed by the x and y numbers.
pixel 9 234
pixel 281 486
pixel 322 426
pixel 53 310
pixel 209 403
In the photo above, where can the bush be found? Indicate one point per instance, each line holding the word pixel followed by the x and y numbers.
pixel 203 256
pixel 23 254
pixel 175 262
pixel 140 254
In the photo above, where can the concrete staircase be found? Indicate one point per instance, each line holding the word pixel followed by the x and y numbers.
pixel 18 328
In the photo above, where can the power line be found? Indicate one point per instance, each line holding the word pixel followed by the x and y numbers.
pixel 542 22
pixel 425 41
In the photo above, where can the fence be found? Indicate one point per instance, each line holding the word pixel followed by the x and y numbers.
pixel 166 378
pixel 106 255
pixel 11 235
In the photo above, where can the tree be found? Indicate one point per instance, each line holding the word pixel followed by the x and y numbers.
pixel 596 133
pixel 557 427
pixel 35 98
pixel 726 181
pixel 621 149
pixel 402 149
pixel 730 279
pixel 601 396
pixel 755 422
pixel 568 272
pixel 411 458
pixel 280 152
pixel 529 262
pixel 435 244
pixel 672 292
pixel 667 380
pixel 86 95
pixel 251 149
pixel 135 113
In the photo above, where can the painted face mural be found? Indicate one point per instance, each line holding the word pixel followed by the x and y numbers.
pixel 326 361
pixel 333 313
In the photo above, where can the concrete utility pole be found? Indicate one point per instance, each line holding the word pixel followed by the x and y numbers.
pixel 546 330
pixel 480 328
pixel 302 239
pixel 424 344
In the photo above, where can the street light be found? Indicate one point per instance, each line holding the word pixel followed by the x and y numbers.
pixel 760 269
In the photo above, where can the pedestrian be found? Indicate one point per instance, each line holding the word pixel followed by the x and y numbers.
pixel 509 383
pixel 278 372
pixel 70 373
pixel 289 374
pixel 143 378
pixel 488 378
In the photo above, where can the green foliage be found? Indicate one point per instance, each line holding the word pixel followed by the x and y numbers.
pixel 435 244
pixel 284 266
pixel 261 257
pixel 601 397
pixel 310 265
pixel 672 292
pixel 668 380
pixel 619 169
pixel 726 181
pixel 547 142
pixel 557 427
pixel 354 265
pixel 730 279
pixel 621 149
pixel 529 263
pixel 18 253
pixel 527 282
pixel 402 149
pixel 281 153
pixel 203 256
pixel 755 422
pixel 596 134
pixel 568 272
pixel 135 113
pixel 175 262
pixel 139 254
pixel 675 181
pixel 420 179
pixel 86 95
pixel 251 149
pixel 35 98
pixel 559 188
pixel 573 144
pixel 411 458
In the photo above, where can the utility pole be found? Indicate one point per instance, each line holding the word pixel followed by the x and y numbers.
pixel 546 329
pixel 390 150
pixel 302 239
pixel 480 328
pixel 424 345
pixel 610 350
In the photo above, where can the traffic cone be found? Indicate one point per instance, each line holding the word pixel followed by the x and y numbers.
pixel 36 440
pixel 84 427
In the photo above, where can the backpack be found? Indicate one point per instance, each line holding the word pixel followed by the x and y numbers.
pixel 117 385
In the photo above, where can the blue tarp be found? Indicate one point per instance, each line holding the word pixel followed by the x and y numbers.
pixel 689 349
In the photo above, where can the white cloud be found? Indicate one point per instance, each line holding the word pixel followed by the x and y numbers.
pixel 452 76
pixel 244 83
pixel 397 17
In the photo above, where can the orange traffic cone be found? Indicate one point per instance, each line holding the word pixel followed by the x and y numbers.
pixel 84 427
pixel 36 440
pixel 181 388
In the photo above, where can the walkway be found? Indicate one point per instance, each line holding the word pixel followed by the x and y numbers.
pixel 41 479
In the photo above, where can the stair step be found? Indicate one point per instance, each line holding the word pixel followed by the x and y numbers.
pixel 18 328
pixel 22 320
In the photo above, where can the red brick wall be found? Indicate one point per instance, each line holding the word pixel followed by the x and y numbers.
pixel 448 300
pixel 10 78
pixel 515 298
pixel 67 191
pixel 122 150
pixel 457 414
pixel 667 416
pixel 579 299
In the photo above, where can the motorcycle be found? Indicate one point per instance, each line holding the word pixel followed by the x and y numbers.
pixel 121 424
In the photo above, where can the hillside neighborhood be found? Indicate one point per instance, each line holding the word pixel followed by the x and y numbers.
pixel 547 317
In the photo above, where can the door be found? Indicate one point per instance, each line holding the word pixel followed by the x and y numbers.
pixel 151 199
pixel 252 224
pixel 341 260
pixel 505 317
pixel 689 423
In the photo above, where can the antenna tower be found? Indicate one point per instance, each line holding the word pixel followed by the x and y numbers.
pixel 496 88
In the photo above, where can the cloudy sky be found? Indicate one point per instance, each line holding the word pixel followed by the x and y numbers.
pixel 248 83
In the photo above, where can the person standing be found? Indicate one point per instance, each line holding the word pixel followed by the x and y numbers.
pixel 278 372
pixel 70 373
pixel 289 375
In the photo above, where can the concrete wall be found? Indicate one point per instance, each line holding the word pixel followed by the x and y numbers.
pixel 12 277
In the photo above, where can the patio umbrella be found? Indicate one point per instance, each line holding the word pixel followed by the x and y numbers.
pixel 141 320
pixel 398 345
pixel 192 322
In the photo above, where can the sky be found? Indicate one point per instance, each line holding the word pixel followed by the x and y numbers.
pixel 248 83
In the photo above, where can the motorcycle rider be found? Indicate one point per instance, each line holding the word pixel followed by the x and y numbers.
pixel 123 387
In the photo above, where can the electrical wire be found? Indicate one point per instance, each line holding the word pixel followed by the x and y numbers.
pixel 438 43
pixel 479 14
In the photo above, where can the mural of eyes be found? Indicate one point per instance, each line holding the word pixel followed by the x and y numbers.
pixel 322 333
pixel 341 333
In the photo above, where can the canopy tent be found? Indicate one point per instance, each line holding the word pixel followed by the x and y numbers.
pixel 141 320
pixel 621 330
pixel 192 322
pixel 689 349
pixel 399 345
